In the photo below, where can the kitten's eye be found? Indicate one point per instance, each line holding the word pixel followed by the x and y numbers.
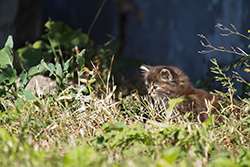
pixel 146 86
pixel 155 87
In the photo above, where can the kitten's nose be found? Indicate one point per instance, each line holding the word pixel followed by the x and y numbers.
pixel 150 91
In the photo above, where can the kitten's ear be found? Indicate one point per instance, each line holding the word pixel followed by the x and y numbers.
pixel 145 69
pixel 166 74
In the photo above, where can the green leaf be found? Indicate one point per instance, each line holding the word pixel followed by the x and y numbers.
pixel 19 103
pixel 80 39
pixel 173 102
pixel 66 65
pixel 170 156
pixel 80 59
pixel 23 78
pixel 9 43
pixel 59 71
pixel 52 68
pixel 4 135
pixel 7 76
pixel 81 156
pixel 224 162
pixel 116 127
pixel 40 45
pixel 49 24
pixel 36 70
pixel 27 94
pixel 6 57
pixel 30 56
pixel 52 46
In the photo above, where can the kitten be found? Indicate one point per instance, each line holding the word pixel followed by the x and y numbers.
pixel 168 82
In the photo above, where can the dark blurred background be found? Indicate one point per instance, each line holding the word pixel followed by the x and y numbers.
pixel 153 32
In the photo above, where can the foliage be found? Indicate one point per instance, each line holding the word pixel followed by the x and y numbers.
pixel 91 124
pixel 63 48
pixel 242 62
pixel 8 73
pixel 57 43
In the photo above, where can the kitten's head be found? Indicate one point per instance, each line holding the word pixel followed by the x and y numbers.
pixel 163 81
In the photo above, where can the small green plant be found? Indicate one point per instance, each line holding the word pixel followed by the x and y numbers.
pixel 8 73
pixel 10 87
pixel 68 48
pixel 57 44
pixel 57 54
pixel 242 62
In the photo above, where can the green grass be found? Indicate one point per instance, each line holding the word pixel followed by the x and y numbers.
pixel 92 124
pixel 100 130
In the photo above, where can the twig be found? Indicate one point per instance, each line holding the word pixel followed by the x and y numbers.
pixel 96 16
pixel 219 48
pixel 230 32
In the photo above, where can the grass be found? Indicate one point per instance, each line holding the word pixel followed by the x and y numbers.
pixel 73 129
pixel 92 124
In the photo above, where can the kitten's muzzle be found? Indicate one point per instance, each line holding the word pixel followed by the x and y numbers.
pixel 151 92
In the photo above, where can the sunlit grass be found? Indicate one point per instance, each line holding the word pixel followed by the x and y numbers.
pixel 57 130
pixel 91 123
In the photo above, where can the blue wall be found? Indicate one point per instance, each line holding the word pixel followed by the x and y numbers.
pixel 162 31
pixel 81 13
